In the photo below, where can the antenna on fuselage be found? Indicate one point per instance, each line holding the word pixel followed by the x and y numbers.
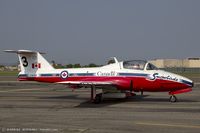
pixel 113 60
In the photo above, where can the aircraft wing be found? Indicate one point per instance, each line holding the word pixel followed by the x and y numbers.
pixel 101 83
pixel 104 85
pixel 84 83
pixel 104 82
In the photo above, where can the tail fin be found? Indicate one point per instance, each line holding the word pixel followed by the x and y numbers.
pixel 31 62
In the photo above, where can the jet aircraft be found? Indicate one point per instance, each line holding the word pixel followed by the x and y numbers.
pixel 126 77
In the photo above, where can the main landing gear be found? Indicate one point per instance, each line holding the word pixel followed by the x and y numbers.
pixel 98 98
pixel 173 98
pixel 95 98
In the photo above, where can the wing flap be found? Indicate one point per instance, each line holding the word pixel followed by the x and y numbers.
pixel 85 83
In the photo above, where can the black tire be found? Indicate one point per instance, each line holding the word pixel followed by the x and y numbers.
pixel 98 98
pixel 142 93
pixel 173 99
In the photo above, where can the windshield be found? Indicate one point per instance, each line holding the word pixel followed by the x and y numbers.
pixel 151 67
pixel 134 64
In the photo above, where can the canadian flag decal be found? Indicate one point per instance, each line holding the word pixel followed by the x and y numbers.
pixel 36 65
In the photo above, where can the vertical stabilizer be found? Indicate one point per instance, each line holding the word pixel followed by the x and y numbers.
pixel 31 62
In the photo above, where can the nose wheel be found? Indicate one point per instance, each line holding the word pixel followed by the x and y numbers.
pixel 173 99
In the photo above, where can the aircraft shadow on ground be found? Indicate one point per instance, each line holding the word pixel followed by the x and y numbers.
pixel 111 101
pixel 145 98
pixel 70 97
pixel 138 98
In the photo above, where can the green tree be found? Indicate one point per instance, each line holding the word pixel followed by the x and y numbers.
pixel 77 65
pixel 92 65
pixel 69 66
pixel 53 63
pixel 59 66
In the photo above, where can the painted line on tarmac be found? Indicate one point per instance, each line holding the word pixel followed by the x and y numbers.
pixel 19 90
pixel 17 81
pixel 168 125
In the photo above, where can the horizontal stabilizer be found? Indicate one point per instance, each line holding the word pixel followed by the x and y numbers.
pixel 22 51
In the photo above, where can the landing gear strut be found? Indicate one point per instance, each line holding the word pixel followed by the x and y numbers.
pixel 173 98
pixel 95 98
pixel 142 93
pixel 93 93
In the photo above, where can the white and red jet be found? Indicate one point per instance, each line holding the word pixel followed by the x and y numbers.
pixel 125 77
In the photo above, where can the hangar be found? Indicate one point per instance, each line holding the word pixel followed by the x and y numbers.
pixel 181 63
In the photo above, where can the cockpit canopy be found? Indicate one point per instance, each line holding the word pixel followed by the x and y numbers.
pixel 139 65
pixel 134 64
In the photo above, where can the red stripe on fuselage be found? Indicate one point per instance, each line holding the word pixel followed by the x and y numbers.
pixel 122 83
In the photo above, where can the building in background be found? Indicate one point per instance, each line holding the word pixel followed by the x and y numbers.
pixel 177 63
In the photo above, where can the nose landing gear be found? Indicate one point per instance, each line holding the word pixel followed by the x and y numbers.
pixel 173 98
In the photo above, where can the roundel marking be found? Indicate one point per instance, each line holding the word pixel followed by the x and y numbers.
pixel 64 74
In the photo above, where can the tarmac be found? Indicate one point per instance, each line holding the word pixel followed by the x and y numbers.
pixel 31 107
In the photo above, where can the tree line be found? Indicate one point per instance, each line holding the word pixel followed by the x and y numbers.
pixel 77 65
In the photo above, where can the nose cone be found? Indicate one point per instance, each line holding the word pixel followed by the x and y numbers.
pixel 187 81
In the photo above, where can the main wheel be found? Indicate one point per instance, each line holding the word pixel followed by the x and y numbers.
pixel 142 93
pixel 173 99
pixel 98 98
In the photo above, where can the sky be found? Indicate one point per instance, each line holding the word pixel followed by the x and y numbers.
pixel 91 31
